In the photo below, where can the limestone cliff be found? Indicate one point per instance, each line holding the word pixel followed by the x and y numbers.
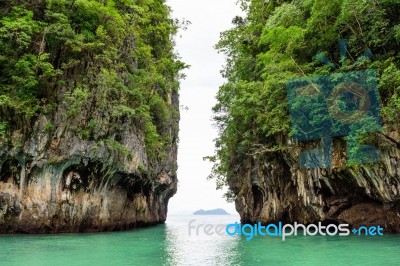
pixel 89 115
pixel 267 117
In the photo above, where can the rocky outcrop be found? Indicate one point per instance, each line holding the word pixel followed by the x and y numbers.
pixel 66 184
pixel 290 78
pixel 275 189
pixel 89 115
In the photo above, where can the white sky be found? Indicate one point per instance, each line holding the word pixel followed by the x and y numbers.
pixel 198 90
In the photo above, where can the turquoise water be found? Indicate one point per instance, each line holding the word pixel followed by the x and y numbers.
pixel 171 244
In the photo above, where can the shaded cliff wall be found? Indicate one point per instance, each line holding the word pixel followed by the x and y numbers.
pixel 89 115
pixel 275 189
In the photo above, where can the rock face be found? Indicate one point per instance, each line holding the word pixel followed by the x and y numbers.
pixel 275 189
pixel 66 184
pixel 92 146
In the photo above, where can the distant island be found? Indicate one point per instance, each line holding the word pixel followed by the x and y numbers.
pixel 211 212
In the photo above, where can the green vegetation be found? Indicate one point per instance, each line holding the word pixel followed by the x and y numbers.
pixel 110 58
pixel 277 41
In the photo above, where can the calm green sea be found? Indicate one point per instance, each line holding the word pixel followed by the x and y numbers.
pixel 171 244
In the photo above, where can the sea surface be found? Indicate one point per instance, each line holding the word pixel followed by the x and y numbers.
pixel 173 244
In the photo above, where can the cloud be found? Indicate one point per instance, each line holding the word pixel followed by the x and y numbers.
pixel 196 47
